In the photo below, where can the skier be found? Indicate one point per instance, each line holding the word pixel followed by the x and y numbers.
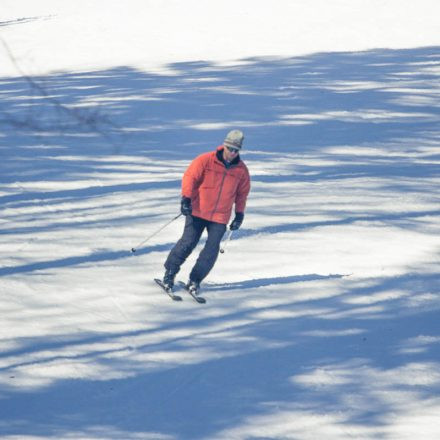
pixel 211 185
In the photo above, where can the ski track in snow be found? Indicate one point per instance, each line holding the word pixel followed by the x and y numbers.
pixel 321 319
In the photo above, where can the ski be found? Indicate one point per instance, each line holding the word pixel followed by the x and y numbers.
pixel 168 291
pixel 197 298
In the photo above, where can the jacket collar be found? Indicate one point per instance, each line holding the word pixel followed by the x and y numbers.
pixel 219 154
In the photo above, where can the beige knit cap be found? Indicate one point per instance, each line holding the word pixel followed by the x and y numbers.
pixel 234 139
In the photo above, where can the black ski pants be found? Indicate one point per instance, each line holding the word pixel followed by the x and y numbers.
pixel 194 227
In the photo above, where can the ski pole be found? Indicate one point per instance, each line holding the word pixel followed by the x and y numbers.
pixel 225 242
pixel 134 249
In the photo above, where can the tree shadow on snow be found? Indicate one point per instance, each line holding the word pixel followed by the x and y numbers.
pixel 263 282
pixel 108 149
pixel 217 381
pixel 127 129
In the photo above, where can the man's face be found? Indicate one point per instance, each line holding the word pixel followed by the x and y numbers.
pixel 230 153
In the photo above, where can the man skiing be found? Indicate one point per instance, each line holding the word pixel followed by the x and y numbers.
pixel 211 185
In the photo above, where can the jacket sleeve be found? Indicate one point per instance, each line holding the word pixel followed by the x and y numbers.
pixel 193 176
pixel 242 192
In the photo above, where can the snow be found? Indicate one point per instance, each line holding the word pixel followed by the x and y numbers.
pixel 321 318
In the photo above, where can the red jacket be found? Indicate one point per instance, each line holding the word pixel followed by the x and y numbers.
pixel 213 188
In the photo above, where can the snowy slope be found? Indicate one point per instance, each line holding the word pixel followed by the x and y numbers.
pixel 321 319
pixel 51 35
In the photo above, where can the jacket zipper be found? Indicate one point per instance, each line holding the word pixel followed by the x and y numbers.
pixel 225 172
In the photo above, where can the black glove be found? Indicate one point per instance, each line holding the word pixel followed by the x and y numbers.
pixel 238 220
pixel 185 206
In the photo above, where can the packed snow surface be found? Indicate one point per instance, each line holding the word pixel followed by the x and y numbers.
pixel 321 319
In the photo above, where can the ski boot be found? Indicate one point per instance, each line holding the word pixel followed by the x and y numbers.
pixel 168 279
pixel 193 287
